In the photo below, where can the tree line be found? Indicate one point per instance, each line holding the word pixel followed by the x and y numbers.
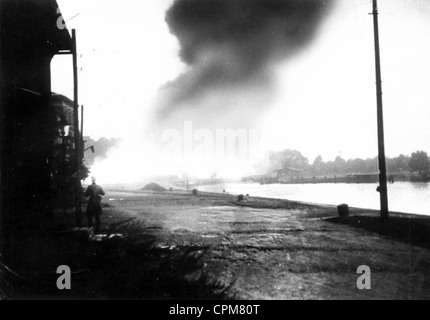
pixel 409 167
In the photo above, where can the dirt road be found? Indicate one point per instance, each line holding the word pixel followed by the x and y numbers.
pixel 268 249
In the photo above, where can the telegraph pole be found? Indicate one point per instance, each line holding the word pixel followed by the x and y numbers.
pixel 76 132
pixel 381 147
pixel 82 133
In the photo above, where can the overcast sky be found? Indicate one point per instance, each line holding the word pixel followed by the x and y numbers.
pixel 319 98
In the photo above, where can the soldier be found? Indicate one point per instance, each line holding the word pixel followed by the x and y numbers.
pixel 94 208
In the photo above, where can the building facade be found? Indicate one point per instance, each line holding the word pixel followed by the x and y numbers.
pixel 29 40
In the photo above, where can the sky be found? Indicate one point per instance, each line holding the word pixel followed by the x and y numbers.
pixel 151 72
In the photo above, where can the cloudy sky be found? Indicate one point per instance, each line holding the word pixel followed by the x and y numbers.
pixel 302 75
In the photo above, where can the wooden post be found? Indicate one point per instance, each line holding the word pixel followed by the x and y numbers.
pixel 76 132
pixel 383 192
pixel 82 135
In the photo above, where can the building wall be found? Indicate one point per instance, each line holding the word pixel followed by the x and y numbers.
pixel 62 164
pixel 29 40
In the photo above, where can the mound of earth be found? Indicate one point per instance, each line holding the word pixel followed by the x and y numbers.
pixel 153 187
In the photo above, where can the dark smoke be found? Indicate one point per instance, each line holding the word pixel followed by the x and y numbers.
pixel 234 44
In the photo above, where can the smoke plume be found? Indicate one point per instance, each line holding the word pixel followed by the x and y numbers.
pixel 231 49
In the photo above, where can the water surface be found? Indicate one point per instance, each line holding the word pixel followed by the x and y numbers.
pixel 410 197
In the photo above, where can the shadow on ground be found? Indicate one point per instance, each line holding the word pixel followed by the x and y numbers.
pixel 129 268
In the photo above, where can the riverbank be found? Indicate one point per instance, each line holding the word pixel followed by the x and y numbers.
pixel 209 246
pixel 402 196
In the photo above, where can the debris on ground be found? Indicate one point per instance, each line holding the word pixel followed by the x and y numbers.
pixel 153 187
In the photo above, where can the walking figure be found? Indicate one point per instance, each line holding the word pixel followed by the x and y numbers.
pixel 94 208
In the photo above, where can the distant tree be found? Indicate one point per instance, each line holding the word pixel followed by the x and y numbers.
pixel 401 163
pixel 318 161
pixel 339 165
pixel 85 172
pixel 356 166
pixel 390 164
pixel 318 166
pixel 419 162
pixel 288 158
pixel 294 159
pixel 371 165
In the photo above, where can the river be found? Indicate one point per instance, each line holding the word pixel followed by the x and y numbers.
pixel 408 197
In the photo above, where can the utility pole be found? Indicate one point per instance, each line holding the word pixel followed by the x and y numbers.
pixel 76 132
pixel 381 147
pixel 82 134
